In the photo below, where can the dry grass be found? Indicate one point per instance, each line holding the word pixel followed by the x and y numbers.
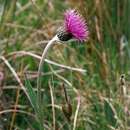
pixel 90 71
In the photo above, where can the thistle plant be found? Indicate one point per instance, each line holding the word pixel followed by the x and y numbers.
pixel 74 27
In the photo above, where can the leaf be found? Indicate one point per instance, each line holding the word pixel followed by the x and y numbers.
pixel 32 94
pixel 110 113
pixel 33 99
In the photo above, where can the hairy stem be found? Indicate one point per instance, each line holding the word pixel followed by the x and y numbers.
pixel 51 42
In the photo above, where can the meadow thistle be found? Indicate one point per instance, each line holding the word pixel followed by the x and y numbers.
pixel 74 27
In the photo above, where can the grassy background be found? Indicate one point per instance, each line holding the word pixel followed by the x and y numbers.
pixel 27 25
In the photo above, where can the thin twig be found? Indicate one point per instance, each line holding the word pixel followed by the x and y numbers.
pixel 76 91
pixel 76 113
pixel 23 8
pixel 15 108
pixel 53 108
pixel 49 61
pixel 67 107
pixel 16 76
pixel 15 87
pixel 32 75
pixel 19 111
pixel 66 96
pixel 61 77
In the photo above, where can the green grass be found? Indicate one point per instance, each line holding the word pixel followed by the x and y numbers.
pixel 24 24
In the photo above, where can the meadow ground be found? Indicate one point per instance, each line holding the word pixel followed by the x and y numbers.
pixel 94 97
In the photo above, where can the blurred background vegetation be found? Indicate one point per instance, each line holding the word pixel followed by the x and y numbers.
pixel 26 26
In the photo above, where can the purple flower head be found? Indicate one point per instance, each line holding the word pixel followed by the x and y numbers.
pixel 75 24
pixel 74 27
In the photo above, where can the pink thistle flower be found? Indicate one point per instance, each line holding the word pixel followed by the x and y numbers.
pixel 75 24
pixel 74 27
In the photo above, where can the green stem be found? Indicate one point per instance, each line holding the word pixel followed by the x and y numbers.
pixel 39 98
